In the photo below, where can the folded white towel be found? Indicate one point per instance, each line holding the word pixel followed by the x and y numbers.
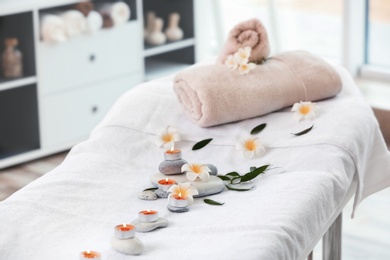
pixel 119 12
pixel 75 22
pixel 94 21
pixel 52 29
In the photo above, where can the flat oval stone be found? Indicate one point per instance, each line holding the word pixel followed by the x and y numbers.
pixel 147 195
pixel 149 226
pixel 213 186
pixel 169 167
pixel 130 246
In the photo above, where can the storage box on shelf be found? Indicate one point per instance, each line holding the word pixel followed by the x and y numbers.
pixel 67 87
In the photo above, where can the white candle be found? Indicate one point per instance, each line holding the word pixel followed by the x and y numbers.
pixel 90 255
pixel 172 154
pixel 165 184
pixel 178 201
pixel 124 231
pixel 148 216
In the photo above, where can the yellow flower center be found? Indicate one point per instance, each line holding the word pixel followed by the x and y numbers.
pixel 304 110
pixel 244 66
pixel 167 138
pixel 243 55
pixel 196 168
pixel 250 145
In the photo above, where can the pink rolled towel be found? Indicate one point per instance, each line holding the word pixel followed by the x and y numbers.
pixel 214 94
pixel 250 33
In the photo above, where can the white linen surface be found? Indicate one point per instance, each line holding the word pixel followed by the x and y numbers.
pixel 76 206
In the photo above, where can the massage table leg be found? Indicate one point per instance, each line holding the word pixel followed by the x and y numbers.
pixel 331 241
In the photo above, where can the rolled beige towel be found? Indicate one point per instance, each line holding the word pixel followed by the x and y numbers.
pixel 214 94
pixel 75 23
pixel 250 33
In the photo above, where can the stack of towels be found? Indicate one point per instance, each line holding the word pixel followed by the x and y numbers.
pixel 216 94
pixel 82 18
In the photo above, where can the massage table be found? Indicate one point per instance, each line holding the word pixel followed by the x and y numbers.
pixel 76 206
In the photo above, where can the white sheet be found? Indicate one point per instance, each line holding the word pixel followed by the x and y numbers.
pixel 76 206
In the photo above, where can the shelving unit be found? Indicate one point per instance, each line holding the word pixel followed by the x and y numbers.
pixel 68 87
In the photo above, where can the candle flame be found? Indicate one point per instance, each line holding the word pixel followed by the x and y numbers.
pixel 88 251
pixel 180 195
pixel 166 179
pixel 124 225
pixel 172 148
pixel 148 210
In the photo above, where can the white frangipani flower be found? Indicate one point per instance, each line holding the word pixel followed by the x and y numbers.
pixel 244 68
pixel 184 190
pixel 250 146
pixel 194 171
pixel 231 62
pixel 167 137
pixel 242 55
pixel 304 110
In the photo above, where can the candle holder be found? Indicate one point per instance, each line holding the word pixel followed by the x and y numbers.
pixel 124 240
pixel 178 204
pixel 173 162
pixel 149 220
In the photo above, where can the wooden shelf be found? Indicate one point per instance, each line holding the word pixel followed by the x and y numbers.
pixel 151 51
pixel 14 83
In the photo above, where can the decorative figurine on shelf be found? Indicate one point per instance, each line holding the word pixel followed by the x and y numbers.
pixel 156 36
pixel 11 59
pixel 150 17
pixel 173 31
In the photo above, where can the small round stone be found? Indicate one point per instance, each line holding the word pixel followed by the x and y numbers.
pixel 214 170
pixel 131 246
pixel 177 209
pixel 161 194
pixel 168 167
pixel 147 195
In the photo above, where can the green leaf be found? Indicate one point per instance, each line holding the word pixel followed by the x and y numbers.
pixel 253 174
pixel 233 174
pixel 150 189
pixel 258 129
pixel 224 178
pixel 307 130
pixel 236 180
pixel 230 188
pixel 213 202
pixel 201 144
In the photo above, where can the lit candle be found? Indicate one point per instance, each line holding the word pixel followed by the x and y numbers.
pixel 172 154
pixel 90 255
pixel 124 231
pixel 178 201
pixel 172 163
pixel 148 216
pixel 165 184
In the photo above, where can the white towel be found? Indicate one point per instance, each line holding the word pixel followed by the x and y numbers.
pixel 119 12
pixel 94 21
pixel 76 206
pixel 75 22
pixel 52 29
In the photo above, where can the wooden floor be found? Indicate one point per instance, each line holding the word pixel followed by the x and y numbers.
pixel 14 178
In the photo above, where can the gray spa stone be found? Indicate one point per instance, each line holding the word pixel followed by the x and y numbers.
pixel 214 170
pixel 178 209
pixel 161 193
pixel 147 195
pixel 130 246
pixel 213 186
pixel 149 226
pixel 169 167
